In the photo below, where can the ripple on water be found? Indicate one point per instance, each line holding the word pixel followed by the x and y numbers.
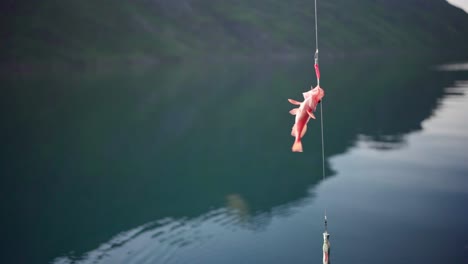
pixel 160 241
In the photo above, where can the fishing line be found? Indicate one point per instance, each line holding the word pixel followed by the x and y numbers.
pixel 316 29
pixel 326 243
pixel 317 72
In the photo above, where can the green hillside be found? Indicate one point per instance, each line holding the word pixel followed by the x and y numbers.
pixel 87 29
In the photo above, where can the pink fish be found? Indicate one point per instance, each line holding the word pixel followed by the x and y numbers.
pixel 303 113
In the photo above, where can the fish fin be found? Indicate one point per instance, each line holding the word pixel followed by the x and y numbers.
pixel 297 146
pixel 307 94
pixel 304 130
pixel 294 102
pixel 294 111
pixel 293 130
pixel 311 114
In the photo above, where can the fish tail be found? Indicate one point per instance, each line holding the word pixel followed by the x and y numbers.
pixel 297 146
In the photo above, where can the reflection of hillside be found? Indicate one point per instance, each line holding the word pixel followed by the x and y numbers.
pixel 383 101
pixel 182 240
pixel 112 153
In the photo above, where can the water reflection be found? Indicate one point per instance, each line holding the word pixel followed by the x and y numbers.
pixel 117 151
pixel 418 192
pixel 239 206
pixel 453 67
pixel 184 240
pixel 383 142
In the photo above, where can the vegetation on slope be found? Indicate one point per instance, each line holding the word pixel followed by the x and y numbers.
pixel 77 30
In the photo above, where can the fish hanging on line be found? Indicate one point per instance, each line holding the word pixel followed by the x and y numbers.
pixel 303 113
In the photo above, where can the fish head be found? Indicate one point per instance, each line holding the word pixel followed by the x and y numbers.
pixel 314 96
pixel 320 93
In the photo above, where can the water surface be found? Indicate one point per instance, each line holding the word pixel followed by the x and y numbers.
pixel 191 163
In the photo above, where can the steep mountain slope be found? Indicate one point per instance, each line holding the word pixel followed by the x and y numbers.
pixel 176 28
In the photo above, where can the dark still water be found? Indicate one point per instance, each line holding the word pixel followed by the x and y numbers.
pixel 192 164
